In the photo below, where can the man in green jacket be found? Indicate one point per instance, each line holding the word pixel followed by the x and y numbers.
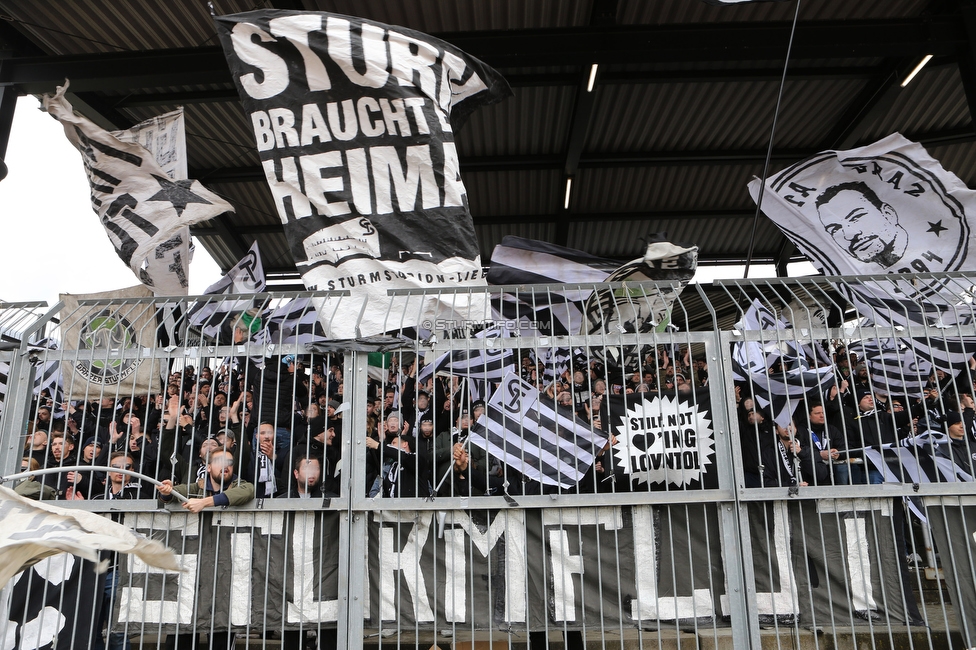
pixel 220 486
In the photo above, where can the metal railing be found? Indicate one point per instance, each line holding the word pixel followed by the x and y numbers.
pixel 643 502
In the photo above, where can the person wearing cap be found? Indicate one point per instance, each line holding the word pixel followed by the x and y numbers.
pixel 960 448
pixel 43 418
pixel 394 426
pixel 860 379
pixel 418 410
pixel 425 444
pixel 89 484
pixel 869 428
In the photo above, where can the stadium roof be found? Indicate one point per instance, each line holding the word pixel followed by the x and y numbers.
pixel 677 122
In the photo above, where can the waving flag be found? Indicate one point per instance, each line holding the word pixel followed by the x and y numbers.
pixel 476 365
pixel 295 322
pixel 784 389
pixel 531 436
pixel 164 136
pixel 893 367
pixel 141 208
pixel 881 209
pixel 247 276
pixel 354 123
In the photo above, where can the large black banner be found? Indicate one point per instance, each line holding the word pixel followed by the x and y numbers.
pixel 828 563
pixel 354 123
pixel 953 521
pixel 53 604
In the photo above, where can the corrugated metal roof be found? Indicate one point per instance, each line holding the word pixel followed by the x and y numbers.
pixel 717 115
pixel 661 12
pixel 490 236
pixel 439 17
pixel 641 189
pixel 510 127
pixel 628 239
pixel 513 192
pixel 514 153
pixel 959 159
pixel 934 101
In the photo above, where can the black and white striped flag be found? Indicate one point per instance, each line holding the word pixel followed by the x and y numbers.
pixel 553 362
pixel 295 322
pixel 490 364
pixel 532 437
pixel 784 389
pixel 520 261
pixel 947 353
pixel 47 375
pixel 893 367
pixel 247 276
pixel 142 209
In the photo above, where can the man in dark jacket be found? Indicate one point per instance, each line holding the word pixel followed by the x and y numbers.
pixel 960 449
pixel 826 444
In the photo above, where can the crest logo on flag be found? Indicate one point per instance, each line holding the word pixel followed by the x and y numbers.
pixel 664 441
pixel 104 333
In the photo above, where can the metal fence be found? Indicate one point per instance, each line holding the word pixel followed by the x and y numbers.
pixel 689 471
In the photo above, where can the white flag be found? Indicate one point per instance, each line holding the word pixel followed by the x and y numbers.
pixel 33 530
pixel 164 136
pixel 247 276
pixel 884 208
pixel 140 207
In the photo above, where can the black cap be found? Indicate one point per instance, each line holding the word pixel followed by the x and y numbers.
pixel 952 418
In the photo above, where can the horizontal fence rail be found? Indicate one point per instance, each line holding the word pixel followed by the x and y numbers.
pixel 751 463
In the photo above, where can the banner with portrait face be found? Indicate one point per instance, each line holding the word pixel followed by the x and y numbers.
pixel 886 208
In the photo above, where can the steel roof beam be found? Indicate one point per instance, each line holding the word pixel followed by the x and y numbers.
pixel 575 217
pixel 127 71
pixel 517 80
pixel 602 160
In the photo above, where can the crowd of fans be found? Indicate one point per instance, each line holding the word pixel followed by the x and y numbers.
pixel 282 424
pixel 239 431
pixel 830 436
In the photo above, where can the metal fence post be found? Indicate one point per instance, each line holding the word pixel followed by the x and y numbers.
pixel 17 402
pixel 353 582
pixel 735 516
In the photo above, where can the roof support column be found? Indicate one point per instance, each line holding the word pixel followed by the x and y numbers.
pixel 8 102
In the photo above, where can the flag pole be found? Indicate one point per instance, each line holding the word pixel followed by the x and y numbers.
pixel 769 149
pixel 89 468
pixel 450 470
